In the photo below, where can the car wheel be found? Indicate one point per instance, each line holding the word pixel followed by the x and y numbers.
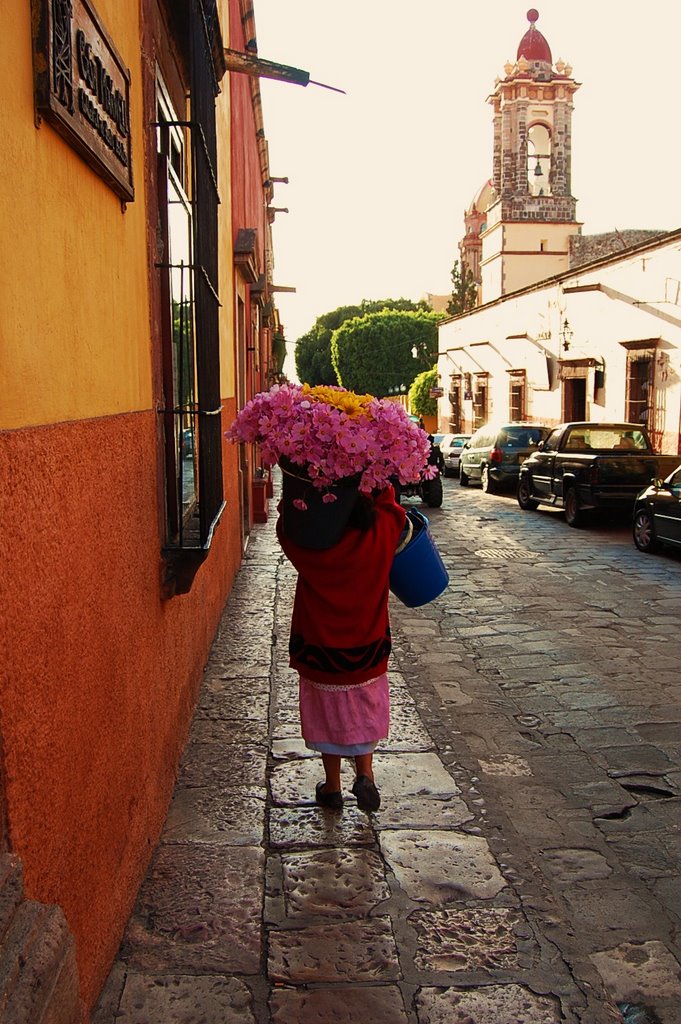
pixel 524 495
pixel 644 531
pixel 434 496
pixel 486 482
pixel 574 515
pixel 463 478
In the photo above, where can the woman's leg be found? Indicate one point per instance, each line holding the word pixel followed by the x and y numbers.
pixel 364 765
pixel 332 768
pixel 364 788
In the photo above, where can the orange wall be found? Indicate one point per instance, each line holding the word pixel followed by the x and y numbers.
pixel 102 676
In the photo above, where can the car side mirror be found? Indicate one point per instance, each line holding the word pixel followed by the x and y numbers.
pixel 658 484
pixel 540 446
pixel 466 445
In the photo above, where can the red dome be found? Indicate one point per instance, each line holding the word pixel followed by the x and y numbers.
pixel 533 46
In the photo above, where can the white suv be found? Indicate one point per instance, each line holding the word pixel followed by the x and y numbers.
pixel 450 446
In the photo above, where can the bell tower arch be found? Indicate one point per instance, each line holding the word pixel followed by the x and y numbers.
pixel 526 237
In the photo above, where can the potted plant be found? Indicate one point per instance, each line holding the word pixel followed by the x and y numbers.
pixel 331 444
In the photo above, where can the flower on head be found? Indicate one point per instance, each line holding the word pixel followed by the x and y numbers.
pixel 332 434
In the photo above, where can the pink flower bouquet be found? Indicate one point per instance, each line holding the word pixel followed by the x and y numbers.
pixel 333 434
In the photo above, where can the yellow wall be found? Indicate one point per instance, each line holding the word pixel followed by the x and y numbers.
pixel 74 327
pixel 527 237
pixel 509 263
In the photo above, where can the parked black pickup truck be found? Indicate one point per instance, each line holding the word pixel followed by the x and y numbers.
pixel 586 466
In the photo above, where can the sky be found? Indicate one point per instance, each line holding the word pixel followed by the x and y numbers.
pixel 379 178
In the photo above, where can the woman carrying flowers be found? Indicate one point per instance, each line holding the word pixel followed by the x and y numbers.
pixel 340 643
pixel 340 631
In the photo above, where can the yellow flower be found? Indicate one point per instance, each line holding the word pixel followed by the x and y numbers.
pixel 347 401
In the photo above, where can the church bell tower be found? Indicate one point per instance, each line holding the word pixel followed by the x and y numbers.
pixel 529 224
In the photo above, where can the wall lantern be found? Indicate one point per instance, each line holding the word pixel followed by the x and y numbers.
pixel 566 334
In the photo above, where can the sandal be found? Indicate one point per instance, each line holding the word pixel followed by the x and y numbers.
pixel 368 797
pixel 334 801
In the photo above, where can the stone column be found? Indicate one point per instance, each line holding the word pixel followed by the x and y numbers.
pixel 522 185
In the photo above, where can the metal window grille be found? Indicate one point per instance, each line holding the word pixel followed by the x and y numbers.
pixel 455 402
pixel 516 397
pixel 480 402
pixel 195 498
pixel 640 396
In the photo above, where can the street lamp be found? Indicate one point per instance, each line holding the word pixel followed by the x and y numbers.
pixel 566 334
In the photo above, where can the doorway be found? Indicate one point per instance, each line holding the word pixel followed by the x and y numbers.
pixel 574 399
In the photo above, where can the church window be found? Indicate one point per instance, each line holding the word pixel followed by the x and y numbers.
pixel 539 160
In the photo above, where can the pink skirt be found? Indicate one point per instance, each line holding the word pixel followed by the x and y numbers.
pixel 344 720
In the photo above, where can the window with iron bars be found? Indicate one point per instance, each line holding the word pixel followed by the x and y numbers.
pixel 455 402
pixel 516 397
pixel 188 204
pixel 640 399
pixel 480 402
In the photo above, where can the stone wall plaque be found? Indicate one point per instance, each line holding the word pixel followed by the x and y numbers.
pixel 82 88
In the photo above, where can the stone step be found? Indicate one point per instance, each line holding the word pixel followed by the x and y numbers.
pixel 11 890
pixel 38 973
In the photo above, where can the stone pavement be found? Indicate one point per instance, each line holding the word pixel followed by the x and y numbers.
pixel 261 908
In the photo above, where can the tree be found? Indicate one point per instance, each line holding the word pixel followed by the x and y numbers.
pixel 373 353
pixel 420 401
pixel 464 290
pixel 313 349
pixel 313 357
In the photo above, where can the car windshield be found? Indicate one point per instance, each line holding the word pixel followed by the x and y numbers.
pixel 522 437
pixel 606 438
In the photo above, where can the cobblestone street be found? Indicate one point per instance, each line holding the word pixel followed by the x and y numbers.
pixel 524 865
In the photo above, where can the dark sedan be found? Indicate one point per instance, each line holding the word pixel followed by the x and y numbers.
pixel 657 514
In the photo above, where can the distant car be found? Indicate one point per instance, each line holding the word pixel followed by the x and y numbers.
pixel 451 446
pixel 657 514
pixel 493 455
pixel 428 490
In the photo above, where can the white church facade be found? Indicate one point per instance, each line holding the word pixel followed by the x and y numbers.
pixel 570 326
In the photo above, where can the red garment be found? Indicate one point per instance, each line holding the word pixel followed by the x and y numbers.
pixel 340 631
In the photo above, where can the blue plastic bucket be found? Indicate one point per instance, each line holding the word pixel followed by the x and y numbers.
pixel 418 574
